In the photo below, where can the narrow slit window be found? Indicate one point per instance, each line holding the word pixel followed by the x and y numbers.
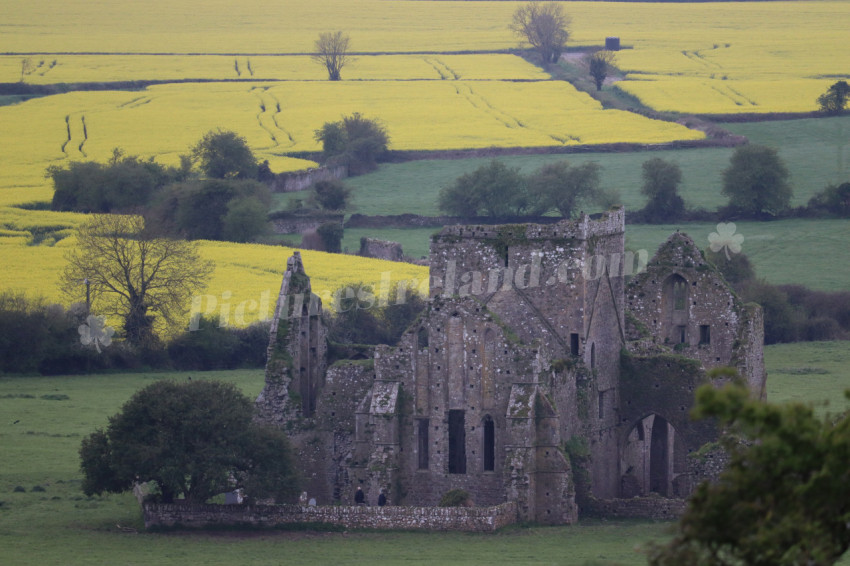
pixel 457 442
pixel 489 444
pixel 424 425
pixel 705 334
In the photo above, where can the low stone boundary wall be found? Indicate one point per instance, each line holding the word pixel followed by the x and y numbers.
pixel 473 519
pixel 659 508
pixel 301 180
pixel 302 224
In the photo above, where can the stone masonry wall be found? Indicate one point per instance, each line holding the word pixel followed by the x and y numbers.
pixel 301 180
pixel 472 519
pixel 658 508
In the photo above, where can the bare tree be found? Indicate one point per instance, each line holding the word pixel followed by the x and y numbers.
pixel 332 52
pixel 27 67
pixel 600 63
pixel 132 275
pixel 543 26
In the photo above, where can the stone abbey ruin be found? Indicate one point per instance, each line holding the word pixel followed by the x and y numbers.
pixel 547 370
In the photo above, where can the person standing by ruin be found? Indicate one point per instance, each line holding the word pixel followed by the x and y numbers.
pixel 359 497
pixel 382 499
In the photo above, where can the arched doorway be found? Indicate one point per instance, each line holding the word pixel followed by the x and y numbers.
pixel 647 458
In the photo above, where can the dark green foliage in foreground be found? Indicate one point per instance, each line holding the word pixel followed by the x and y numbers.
pixel 194 439
pixel 785 497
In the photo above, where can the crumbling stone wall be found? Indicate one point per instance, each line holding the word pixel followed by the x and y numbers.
pixel 654 507
pixel 688 307
pixel 381 249
pixel 301 180
pixel 530 339
pixel 472 519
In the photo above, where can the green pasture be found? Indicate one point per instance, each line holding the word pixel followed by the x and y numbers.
pixel 814 150
pixel 46 520
pixel 805 252
pixel 814 253
pixel 808 252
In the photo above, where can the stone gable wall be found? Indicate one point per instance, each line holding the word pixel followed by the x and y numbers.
pixel 472 519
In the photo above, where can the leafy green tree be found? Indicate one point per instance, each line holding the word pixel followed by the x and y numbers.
pixel 661 181
pixel 599 64
pixel 331 234
pixel 360 317
pixel 756 182
pixel 784 499
pixel 834 100
pixel 133 275
pixel 356 141
pixel 492 190
pixel 245 221
pixel 834 199
pixel 564 188
pixel 330 195
pixel 331 51
pixel 543 26
pixel 194 439
pixel 212 209
pixel 124 184
pixel 736 268
pixel 223 154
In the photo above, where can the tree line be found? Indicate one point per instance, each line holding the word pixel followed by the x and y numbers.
pixel 756 183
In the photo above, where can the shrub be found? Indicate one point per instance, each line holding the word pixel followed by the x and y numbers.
pixel 213 347
pixel 123 184
pixel 357 141
pixel 330 195
pixel 456 498
pixel 214 209
pixel 833 200
pixel 331 234
pixel 224 154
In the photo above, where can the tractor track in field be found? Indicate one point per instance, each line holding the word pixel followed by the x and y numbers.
pixel 267 118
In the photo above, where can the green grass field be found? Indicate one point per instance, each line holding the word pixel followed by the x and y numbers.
pixel 814 150
pixel 45 519
pixel 806 252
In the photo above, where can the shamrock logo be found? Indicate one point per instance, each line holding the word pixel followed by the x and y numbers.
pixel 94 331
pixel 726 239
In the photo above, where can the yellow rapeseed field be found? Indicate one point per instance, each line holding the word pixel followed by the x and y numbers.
pixel 436 74
pixel 243 287
pixel 65 68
